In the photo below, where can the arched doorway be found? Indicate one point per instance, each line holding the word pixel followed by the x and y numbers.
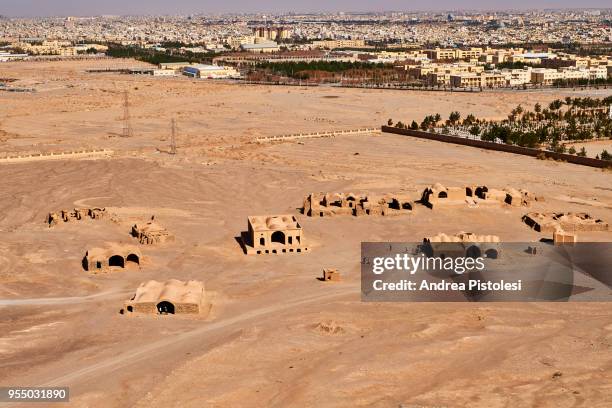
pixel 468 192
pixel 473 252
pixel 165 307
pixel 133 258
pixel 394 204
pixel 481 192
pixel 278 236
pixel 116 260
pixel 491 253
pixel 442 194
pixel 351 201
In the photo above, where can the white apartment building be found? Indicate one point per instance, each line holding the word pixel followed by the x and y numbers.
pixel 164 72
pixel 331 44
pixel 6 56
pixel 599 72
pixel 262 47
pixel 478 80
pixel 516 77
pixel 547 76
pixel 63 48
pixel 210 71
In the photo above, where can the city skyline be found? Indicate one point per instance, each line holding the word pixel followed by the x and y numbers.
pixel 41 8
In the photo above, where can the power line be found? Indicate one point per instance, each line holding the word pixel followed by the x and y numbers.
pixel 127 126
pixel 173 138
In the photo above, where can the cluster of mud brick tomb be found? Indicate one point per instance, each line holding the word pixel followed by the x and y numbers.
pixel 283 234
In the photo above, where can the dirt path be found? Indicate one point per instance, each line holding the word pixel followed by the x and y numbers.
pixel 60 300
pixel 170 344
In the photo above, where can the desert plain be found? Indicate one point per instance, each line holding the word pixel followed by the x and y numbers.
pixel 272 335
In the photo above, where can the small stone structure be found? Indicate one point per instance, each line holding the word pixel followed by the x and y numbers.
pixel 170 297
pixel 386 205
pixel 273 234
pixel 550 222
pixel 468 244
pixel 151 233
pixel 330 274
pixel 519 198
pixel 115 255
pixel 561 237
pixel 75 214
pixel 328 204
pixel 438 194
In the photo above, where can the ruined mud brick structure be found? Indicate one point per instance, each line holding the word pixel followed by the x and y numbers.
pixel 272 234
pixel 323 205
pixel 328 204
pixel 438 195
pixel 151 233
pixel 75 214
pixel 331 275
pixel 385 205
pixel 463 244
pixel 510 196
pixel 170 297
pixel 561 237
pixel 550 222
pixel 116 255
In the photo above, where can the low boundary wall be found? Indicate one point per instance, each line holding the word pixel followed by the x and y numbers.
pixel 77 154
pixel 526 151
pixel 315 135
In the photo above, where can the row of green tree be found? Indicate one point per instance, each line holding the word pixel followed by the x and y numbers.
pixel 582 119
pixel 582 82
pixel 300 69
pixel 156 57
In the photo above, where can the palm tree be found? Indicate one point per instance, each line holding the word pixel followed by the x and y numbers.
pixel 519 109
pixel 469 119
pixel 454 117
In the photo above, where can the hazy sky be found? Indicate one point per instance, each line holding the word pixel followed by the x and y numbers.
pixel 98 7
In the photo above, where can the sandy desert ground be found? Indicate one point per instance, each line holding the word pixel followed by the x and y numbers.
pixel 274 335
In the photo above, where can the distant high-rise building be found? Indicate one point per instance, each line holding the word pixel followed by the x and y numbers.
pixel 272 33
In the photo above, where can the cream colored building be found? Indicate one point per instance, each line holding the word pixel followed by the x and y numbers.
pixel 478 80
pixel 86 47
pixel 262 47
pixel 453 53
pixel 164 72
pixel 515 77
pixel 271 33
pixel 440 74
pixel 63 48
pixel 546 76
pixel 236 42
pixel 331 44
pixel 598 72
